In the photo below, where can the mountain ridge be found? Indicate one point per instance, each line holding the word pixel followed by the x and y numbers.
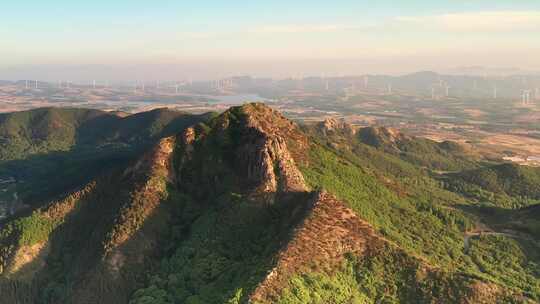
pixel 248 207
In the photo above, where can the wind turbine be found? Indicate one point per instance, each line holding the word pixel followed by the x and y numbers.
pixel 526 97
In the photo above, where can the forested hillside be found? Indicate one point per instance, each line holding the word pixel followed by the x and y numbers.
pixel 62 129
pixel 51 150
pixel 248 207
pixel 503 180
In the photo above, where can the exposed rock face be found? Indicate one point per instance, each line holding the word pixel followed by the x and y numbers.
pixel 258 144
pixel 272 123
pixel 334 126
pixel 269 165
pixel 265 155
pixel 383 134
pixel 388 138
pixel 187 138
pixel 155 161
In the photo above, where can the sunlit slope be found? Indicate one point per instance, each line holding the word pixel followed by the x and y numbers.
pixel 249 207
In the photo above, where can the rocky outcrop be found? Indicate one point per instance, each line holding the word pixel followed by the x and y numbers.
pixel 382 137
pixel 332 126
pixel 254 143
pixel 269 166
pixel 269 163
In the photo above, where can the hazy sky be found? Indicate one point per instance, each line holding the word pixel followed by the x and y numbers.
pixel 302 36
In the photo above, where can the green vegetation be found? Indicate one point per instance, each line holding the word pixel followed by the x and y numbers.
pixel 503 185
pixel 59 129
pixel 37 227
pixel 427 222
pixel 321 288
pixel 413 223
pixel 220 256
pixel 202 234
pixel 446 156
pixel 222 242
pixel 402 201
pixel 41 130
pixel 43 177
pixel 52 150
pixel 510 261
pixel 389 277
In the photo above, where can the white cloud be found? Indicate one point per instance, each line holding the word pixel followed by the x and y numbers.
pixel 478 21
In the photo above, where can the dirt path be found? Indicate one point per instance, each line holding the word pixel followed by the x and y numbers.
pixel 469 235
pixel 482 229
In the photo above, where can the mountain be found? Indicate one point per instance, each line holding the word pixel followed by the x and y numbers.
pixel 61 129
pixel 421 152
pixel 50 150
pixel 505 185
pixel 490 71
pixel 446 155
pixel 510 179
pixel 249 207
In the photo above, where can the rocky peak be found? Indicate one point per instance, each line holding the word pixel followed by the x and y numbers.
pixel 266 150
pixel 333 126
pixel 268 164
pixel 157 159
pixel 381 136
pixel 257 143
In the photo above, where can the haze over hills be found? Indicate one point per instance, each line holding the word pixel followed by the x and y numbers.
pixel 248 206
pixel 205 70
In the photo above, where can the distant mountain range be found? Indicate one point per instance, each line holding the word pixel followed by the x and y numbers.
pixel 490 71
